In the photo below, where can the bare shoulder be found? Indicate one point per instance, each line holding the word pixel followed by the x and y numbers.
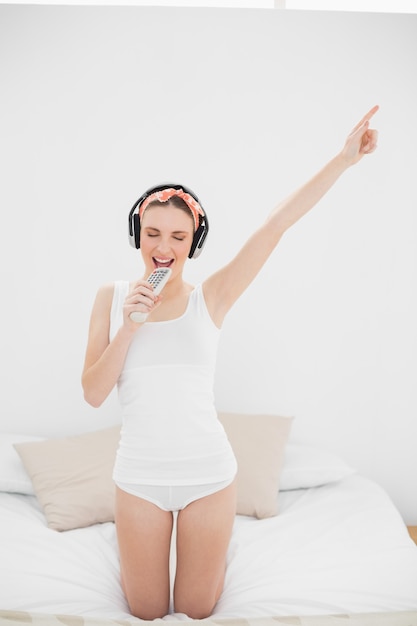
pixel 225 286
pixel 104 298
pixel 98 334
pixel 100 314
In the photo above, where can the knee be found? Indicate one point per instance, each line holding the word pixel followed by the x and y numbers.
pixel 196 606
pixel 195 611
pixel 198 601
pixel 147 612
pixel 147 609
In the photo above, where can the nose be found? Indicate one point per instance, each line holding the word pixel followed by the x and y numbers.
pixel 164 246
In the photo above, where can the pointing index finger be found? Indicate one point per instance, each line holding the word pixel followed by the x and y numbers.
pixel 367 117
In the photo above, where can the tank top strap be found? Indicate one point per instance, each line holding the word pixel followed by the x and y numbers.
pixel 199 305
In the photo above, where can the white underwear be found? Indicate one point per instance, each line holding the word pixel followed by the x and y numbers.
pixel 173 497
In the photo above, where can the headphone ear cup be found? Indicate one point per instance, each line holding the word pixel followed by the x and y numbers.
pixel 136 230
pixel 198 241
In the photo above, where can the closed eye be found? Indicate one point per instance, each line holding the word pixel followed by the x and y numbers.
pixel 178 235
pixel 176 238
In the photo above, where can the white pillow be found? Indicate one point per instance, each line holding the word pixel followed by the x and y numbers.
pixel 13 475
pixel 303 467
pixel 308 466
pixel 72 476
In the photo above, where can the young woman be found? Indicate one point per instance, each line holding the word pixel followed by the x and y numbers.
pixel 173 453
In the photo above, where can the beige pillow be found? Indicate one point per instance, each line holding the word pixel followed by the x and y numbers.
pixel 72 477
pixel 258 442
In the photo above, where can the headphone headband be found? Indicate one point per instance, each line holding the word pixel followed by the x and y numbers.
pixel 163 193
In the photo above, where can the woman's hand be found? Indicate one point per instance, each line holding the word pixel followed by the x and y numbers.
pixel 140 298
pixel 362 140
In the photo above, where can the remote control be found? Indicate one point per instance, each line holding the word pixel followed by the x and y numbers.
pixel 158 280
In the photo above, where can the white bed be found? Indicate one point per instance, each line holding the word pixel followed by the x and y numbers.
pixel 336 549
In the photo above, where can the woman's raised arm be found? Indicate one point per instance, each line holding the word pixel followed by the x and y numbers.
pixel 224 287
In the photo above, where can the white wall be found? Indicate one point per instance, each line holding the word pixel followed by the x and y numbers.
pixel 98 103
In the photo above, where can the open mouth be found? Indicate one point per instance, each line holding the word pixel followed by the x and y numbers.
pixel 158 262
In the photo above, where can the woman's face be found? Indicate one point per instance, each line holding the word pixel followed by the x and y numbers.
pixel 166 235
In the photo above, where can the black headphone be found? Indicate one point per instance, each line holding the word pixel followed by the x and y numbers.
pixel 134 220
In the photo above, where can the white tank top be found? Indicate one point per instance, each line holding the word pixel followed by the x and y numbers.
pixel 170 432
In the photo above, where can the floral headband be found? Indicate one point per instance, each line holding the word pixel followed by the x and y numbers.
pixel 166 194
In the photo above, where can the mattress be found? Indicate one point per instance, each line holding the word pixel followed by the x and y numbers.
pixel 402 618
pixel 337 550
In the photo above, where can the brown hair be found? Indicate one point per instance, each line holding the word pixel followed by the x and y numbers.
pixel 176 202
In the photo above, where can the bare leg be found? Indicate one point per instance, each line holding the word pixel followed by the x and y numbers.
pixel 144 536
pixel 204 529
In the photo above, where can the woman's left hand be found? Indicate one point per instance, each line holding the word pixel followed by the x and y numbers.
pixel 362 140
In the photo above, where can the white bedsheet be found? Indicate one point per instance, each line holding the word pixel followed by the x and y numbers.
pixel 335 549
